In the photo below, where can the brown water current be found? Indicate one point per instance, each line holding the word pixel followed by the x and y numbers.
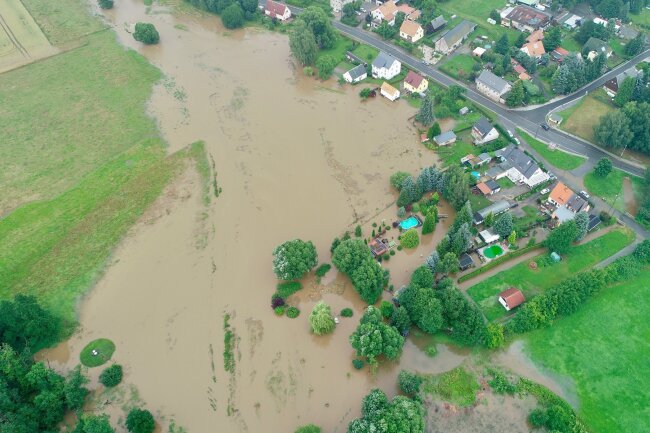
pixel 296 158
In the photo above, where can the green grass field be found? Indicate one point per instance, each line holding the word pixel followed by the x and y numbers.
pixel 642 19
pixel 532 282
pixel 366 52
pixel 63 20
pixel 452 154
pixel 505 183
pixel 604 348
pixel 459 66
pixel 581 118
pixel 478 12
pixel 609 187
pixel 559 159
pixel 457 386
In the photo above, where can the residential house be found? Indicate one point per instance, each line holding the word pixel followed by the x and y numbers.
pixel 463 111
pixel 521 168
pixel 488 188
pixel 436 24
pixel 454 38
pixel 337 5
pixel 520 70
pixel 526 19
pixel 483 131
pixel 531 3
pixel 481 160
pixel 493 185
pixel 594 47
pixel 496 208
pixel 465 261
pixel 478 51
pixel 534 49
pixel 568 20
pixel 615 83
pixel 415 83
pixel 356 74
pixel 559 54
pixel 594 221
pixel 603 22
pixel 496 172
pixel 412 14
pixel 492 86
pixel 411 31
pixel 563 196
pixel 536 36
pixel 511 298
pixel 385 66
pixel 445 139
pixel 277 10
pixel 385 12
pixel 389 91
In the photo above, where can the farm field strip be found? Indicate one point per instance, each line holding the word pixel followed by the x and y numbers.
pixel 21 39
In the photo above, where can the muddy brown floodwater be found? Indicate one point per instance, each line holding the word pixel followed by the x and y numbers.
pixel 296 158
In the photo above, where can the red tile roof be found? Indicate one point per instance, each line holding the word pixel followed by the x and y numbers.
pixel 561 51
pixel 275 8
pixel 484 188
pixel 414 79
pixel 513 297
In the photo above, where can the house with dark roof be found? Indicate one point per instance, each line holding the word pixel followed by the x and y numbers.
pixel 465 261
pixel 385 66
pixel 511 298
pixel 492 86
pixel 488 187
pixel 526 19
pixel 495 172
pixel 496 208
pixel 594 221
pixel 615 83
pixel 277 10
pixel 594 47
pixel 436 24
pixel 567 203
pixel 521 168
pixel 356 74
pixel 483 131
pixel 445 139
pixel 455 37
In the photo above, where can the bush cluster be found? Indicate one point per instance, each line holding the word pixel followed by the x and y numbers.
pixel 293 312
pixel 347 312
pixel 111 376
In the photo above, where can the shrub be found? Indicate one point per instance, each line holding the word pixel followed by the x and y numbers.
pixel 322 270
pixel 494 336
pixel 347 312
pixel 386 257
pixel 386 309
pixel 358 363
pixel 106 4
pixel 321 319
pixel 392 252
pixel 538 418
pixel 409 382
pixel 140 421
pixel 293 312
pixel 401 212
pixel 111 376
pixel 279 311
pixel 288 288
pixel 357 231
pixel 276 301
pixel 146 33
pixel 399 247
pixel 308 71
pixel 642 252
pixel 410 239
pixel 500 383
pixel 415 207
pixel 232 17
pixel 310 428
pixel 431 351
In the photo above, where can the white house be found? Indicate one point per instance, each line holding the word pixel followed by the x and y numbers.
pixel 389 92
pixel 483 131
pixel 521 168
pixel 492 86
pixel 356 74
pixel 411 31
pixel 385 66
pixel 277 10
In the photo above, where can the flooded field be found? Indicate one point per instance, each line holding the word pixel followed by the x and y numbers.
pixel 295 158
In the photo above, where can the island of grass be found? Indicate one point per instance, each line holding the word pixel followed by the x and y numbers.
pixel 610 188
pixel 604 348
pixel 557 158
pixel 97 352
pixel 532 282
pixel 581 118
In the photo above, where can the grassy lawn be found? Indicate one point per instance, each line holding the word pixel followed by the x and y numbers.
pixel 63 20
pixel 531 282
pixel 604 348
pixel 468 120
pixel 478 202
pixel 104 349
pixel 459 66
pixel 505 183
pixel 457 386
pixel 91 163
pixel 642 19
pixel 582 117
pixel 339 49
pixel 559 159
pixel 570 44
pixel 365 52
pixel 452 154
pixel 478 12
pixel 609 187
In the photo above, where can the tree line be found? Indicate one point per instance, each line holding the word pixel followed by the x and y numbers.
pixel 234 13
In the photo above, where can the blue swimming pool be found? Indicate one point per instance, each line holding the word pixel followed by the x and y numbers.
pixel 410 222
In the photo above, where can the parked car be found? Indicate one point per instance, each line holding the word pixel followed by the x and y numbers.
pixel 545 126
pixel 584 194
pixel 545 191
pixel 510 133
pixel 517 141
pixel 552 176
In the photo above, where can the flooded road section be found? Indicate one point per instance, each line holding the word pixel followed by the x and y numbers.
pixel 296 158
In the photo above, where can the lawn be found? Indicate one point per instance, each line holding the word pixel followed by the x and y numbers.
pixel 365 52
pixel 458 66
pixel 341 46
pixel 642 19
pixel 104 349
pixel 478 202
pixel 63 20
pixel 532 282
pixel 604 347
pixel 90 163
pixel 570 44
pixel 609 187
pixel 89 108
pixel 478 12
pixel 557 158
pixel 582 117
pixel 457 386
pixel 505 183
pixel 452 154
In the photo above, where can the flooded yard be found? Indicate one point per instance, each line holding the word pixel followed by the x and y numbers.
pixel 295 158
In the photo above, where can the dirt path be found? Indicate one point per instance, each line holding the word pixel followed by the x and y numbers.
pixel 631 205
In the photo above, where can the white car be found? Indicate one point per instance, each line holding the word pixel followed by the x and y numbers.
pixel 545 191
pixel 510 133
pixel 517 141
pixel 584 194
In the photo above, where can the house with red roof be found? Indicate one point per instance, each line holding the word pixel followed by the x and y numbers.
pixel 415 83
pixel 511 298
pixel 277 10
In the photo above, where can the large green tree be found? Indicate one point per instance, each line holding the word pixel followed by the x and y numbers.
pixel 302 43
pixel 369 280
pixel 325 65
pixel 25 324
pixel 232 17
pixel 321 319
pixel 423 307
pixel 293 259
pixel 140 421
pixel 504 225
pixel 552 38
pixel 146 33
pixel 456 186
pixel 378 415
pixel 320 25
pixel 613 130
pixel 425 114
pixel 374 338
pixel 603 167
pixel 561 239
pixel 350 254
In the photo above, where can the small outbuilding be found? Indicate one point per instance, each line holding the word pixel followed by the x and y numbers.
pixel 488 237
pixel 389 92
pixel 511 298
pixel 446 138
pixel 465 261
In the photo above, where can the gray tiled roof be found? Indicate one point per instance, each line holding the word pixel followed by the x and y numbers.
pixel 495 208
pixel 492 81
pixel 492 185
pixel 454 35
pixel 357 71
pixel 595 44
pixel 383 60
pixel 445 136
pixel 483 126
pixel 438 22
pixel 519 160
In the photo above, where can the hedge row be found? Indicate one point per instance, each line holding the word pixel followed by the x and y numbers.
pixel 497 262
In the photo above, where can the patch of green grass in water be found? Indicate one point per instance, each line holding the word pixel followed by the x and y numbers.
pixel 457 386
pixel 104 348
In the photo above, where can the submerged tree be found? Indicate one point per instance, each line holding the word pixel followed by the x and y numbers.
pixel 302 43
pixel 293 259
pixel 321 319
pixel 146 33
pixel 374 338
